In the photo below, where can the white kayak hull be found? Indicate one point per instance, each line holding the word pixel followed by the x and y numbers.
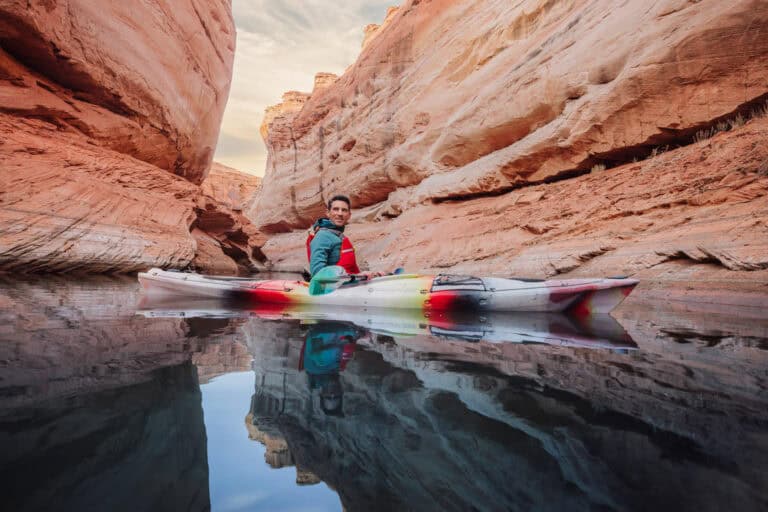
pixel 406 291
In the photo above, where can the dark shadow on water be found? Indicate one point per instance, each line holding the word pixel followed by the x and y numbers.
pixel 142 447
pixel 206 327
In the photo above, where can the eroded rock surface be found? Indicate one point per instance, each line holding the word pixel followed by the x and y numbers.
pixel 687 218
pixel 148 80
pixel 229 186
pixel 109 115
pixel 467 131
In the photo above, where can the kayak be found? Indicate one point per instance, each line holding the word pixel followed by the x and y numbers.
pixel 595 331
pixel 405 291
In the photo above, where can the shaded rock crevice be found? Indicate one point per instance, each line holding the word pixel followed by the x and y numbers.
pixel 26 43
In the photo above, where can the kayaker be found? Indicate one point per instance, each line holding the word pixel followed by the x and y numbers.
pixel 326 242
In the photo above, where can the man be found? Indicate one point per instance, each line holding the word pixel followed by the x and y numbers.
pixel 326 243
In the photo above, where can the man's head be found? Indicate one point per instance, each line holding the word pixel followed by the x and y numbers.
pixel 332 396
pixel 339 210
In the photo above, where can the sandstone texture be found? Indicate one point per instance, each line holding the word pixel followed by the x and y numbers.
pixel 230 187
pixel 109 115
pixel 538 138
pixel 151 80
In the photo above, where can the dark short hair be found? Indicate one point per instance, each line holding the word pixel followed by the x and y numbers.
pixel 339 197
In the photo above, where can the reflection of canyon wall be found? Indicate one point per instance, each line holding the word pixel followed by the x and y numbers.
pixel 277 452
pixel 142 447
pixel 109 116
pixel 60 338
pixel 223 349
pixel 466 132
pixel 453 424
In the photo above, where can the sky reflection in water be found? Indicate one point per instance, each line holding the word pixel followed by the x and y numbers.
pixel 240 479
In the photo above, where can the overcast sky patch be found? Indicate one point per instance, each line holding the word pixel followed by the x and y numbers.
pixel 281 45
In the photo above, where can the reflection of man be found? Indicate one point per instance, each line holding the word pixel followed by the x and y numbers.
pixel 328 346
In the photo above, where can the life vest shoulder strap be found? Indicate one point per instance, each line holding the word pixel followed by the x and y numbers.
pixel 312 232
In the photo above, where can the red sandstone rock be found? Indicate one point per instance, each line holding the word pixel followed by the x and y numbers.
pixel 68 205
pixel 373 30
pixel 98 102
pixel 323 81
pixel 229 186
pixel 704 204
pixel 466 131
pixel 458 98
pixel 218 229
pixel 150 80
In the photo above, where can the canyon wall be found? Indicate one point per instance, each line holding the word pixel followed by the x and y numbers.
pixel 109 116
pixel 540 138
pixel 230 187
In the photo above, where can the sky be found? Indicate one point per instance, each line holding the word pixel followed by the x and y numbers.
pixel 281 45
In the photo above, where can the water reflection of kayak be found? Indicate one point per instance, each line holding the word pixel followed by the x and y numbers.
pixel 599 331
pixel 406 291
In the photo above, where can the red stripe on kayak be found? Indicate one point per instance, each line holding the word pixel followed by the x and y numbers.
pixel 270 296
pixel 583 306
pixel 441 301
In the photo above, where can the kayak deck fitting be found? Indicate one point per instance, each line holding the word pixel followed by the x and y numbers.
pixel 406 291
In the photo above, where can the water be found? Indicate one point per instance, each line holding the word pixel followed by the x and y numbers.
pixel 109 403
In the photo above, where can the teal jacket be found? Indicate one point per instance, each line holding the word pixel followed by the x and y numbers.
pixel 325 248
pixel 324 346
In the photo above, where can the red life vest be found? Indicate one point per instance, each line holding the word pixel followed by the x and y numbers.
pixel 346 258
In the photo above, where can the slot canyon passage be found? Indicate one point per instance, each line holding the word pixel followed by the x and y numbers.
pixel 537 138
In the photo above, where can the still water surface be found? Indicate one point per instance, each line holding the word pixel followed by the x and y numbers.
pixel 108 402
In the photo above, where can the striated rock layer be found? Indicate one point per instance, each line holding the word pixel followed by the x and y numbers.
pixel 150 81
pixel 230 186
pixel 467 132
pixel 109 115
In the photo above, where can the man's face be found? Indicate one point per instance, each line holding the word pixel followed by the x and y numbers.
pixel 339 213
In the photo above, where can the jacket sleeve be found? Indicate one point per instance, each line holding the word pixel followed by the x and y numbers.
pixel 320 248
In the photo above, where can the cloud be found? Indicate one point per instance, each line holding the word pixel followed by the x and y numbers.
pixel 243 153
pixel 243 501
pixel 281 44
